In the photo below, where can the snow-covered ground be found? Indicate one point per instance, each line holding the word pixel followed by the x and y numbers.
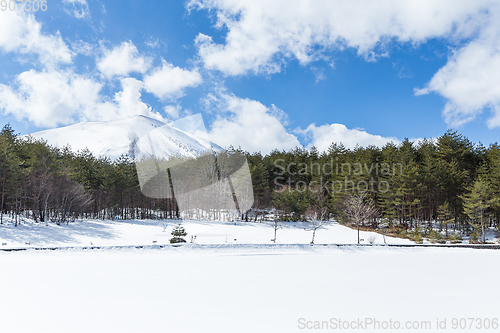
pixel 148 232
pixel 233 279
pixel 257 289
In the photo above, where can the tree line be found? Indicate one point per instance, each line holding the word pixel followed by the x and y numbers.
pixel 449 182
pixel 46 183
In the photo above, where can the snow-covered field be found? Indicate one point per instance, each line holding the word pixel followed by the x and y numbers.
pixel 148 232
pixel 244 285
pixel 192 289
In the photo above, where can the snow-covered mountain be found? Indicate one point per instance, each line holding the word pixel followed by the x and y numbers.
pixel 114 138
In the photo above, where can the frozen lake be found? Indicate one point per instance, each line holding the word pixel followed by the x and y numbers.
pixel 252 289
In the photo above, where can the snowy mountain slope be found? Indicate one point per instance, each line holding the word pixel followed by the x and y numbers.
pixel 114 138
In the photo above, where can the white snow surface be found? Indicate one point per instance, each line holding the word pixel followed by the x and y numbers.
pixel 115 138
pixel 192 289
pixel 148 232
pixel 244 285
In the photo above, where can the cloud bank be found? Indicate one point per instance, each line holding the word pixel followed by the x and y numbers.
pixel 249 124
pixel 56 94
pixel 323 136
pixel 262 36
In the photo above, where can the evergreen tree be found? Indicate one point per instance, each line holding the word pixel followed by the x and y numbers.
pixel 177 234
pixel 476 201
pixel 445 216
pixel 10 172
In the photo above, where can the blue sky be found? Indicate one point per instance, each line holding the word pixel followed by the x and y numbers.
pixel 264 74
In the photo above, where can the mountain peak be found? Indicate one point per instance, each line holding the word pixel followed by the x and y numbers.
pixel 117 137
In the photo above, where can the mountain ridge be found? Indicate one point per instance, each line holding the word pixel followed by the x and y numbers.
pixel 115 138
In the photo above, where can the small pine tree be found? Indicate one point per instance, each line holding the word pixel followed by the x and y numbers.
pixel 455 238
pixel 428 231
pixel 476 203
pixel 416 236
pixel 177 234
pixel 475 235
pixel 445 216
pixel 436 237
pixel 401 231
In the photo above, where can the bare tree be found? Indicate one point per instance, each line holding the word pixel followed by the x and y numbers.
pixel 276 226
pixel 359 209
pixel 41 189
pixel 317 217
pixel 72 200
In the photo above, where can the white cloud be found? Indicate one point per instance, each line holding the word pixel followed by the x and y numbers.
pixel 263 34
pixel 250 125
pixel 152 42
pixel 129 99
pixel 20 32
pixel 169 81
pixel 123 60
pixel 470 81
pixel 84 48
pixel 319 74
pixel 173 111
pixel 57 96
pixel 323 136
pixel 77 8
pixel 51 98
pixel 494 121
